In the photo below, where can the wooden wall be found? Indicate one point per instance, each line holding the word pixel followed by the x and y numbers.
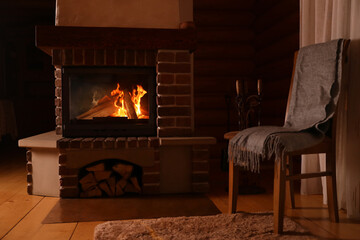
pixel 26 76
pixel 276 39
pixel 225 53
pixel 241 39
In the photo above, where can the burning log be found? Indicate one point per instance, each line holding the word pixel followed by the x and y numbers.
pixel 129 105
pixel 104 108
pixel 122 103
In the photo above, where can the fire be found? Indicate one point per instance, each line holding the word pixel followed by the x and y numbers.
pixel 119 102
pixel 135 97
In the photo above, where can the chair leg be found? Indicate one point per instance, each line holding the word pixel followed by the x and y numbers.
pixel 233 186
pixel 279 196
pixel 290 184
pixel 331 187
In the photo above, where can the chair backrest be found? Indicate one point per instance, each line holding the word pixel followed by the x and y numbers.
pixel 346 44
pixel 291 86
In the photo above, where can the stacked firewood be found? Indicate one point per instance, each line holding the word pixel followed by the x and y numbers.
pixel 100 181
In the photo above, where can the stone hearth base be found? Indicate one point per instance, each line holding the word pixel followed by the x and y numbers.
pixel 169 164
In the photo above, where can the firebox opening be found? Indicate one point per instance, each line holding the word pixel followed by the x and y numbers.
pixel 109 101
pixel 110 178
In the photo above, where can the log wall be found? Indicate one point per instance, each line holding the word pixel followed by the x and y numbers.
pixel 25 71
pixel 240 39
pixel 276 39
pixel 224 53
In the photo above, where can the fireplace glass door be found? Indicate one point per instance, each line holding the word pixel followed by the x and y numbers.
pixel 109 101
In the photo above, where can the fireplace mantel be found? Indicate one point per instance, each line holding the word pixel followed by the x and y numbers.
pixel 52 37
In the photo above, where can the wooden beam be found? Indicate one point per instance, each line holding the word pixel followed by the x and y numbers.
pixel 56 37
pixel 224 4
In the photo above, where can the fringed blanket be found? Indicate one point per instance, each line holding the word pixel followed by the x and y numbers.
pixel 315 92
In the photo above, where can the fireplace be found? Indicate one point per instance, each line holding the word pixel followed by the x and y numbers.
pixel 108 101
pixel 99 72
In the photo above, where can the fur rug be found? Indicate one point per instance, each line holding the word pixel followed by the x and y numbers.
pixel 216 227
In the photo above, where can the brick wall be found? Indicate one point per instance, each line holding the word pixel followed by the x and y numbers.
pixel 200 168
pixel 69 179
pixel 151 176
pixel 29 171
pixel 174 89
pixel 174 82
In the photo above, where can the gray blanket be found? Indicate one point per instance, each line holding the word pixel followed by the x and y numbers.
pixel 315 92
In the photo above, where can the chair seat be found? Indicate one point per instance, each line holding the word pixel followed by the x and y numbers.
pixel 324 146
pixel 230 135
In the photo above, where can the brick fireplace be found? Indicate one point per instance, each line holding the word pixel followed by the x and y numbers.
pixel 171 159
pixel 174 82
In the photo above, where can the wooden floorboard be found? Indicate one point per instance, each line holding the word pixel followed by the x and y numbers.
pixel 31 227
pixel 84 231
pixel 21 215
pixel 12 185
pixel 13 210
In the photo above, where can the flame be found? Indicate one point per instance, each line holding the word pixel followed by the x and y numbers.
pixel 136 96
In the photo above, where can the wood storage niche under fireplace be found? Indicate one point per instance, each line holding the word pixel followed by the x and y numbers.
pixel 109 178
pixel 109 101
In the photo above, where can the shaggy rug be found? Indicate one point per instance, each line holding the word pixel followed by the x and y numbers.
pixel 216 227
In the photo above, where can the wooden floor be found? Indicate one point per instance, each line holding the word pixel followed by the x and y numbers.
pixel 21 214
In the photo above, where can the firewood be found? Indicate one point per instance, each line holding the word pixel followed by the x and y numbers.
pixel 122 183
pixel 101 175
pixel 92 192
pixel 131 188
pixel 119 191
pixel 88 182
pixel 105 187
pixel 123 169
pixel 129 105
pixel 112 184
pixel 97 167
pixel 104 108
pixel 119 188
pixel 135 182
pixel 105 99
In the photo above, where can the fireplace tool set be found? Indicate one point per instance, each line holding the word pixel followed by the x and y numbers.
pixel 248 106
pixel 249 110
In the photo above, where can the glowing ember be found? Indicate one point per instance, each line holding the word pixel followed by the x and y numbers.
pixel 135 96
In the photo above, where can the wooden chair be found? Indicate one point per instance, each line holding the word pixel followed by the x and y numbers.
pixel 284 177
